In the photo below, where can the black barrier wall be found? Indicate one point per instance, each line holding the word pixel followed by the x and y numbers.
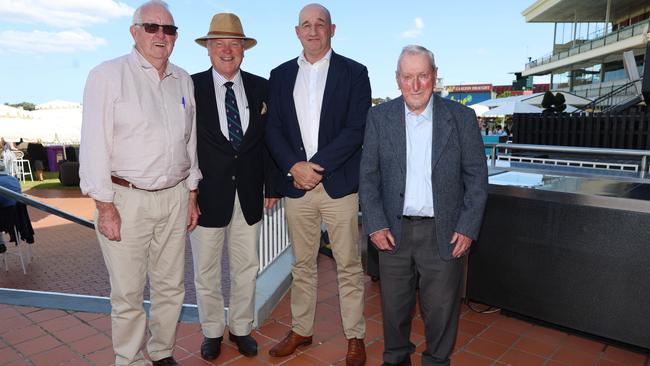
pixel 620 131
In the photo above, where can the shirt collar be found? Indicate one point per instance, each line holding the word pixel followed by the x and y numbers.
pixel 219 80
pixel 137 57
pixel 302 60
pixel 427 114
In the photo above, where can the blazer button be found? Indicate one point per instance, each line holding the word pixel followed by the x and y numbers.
pixel 401 194
pixel 236 156
pixel 233 177
pixel 300 149
pixel 399 217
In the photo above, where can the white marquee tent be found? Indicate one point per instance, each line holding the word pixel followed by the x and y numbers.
pixel 56 121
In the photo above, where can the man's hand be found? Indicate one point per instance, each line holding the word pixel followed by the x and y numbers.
pixel 193 212
pixel 305 175
pixel 462 244
pixel 270 202
pixel 383 239
pixel 108 220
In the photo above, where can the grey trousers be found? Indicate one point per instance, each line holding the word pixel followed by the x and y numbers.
pixel 440 281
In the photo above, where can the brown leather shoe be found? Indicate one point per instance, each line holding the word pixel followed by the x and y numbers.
pixel 356 353
pixel 289 344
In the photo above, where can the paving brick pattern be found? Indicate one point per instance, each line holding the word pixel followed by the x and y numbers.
pixel 32 336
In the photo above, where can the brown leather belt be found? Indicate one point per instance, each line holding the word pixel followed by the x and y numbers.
pixel 126 183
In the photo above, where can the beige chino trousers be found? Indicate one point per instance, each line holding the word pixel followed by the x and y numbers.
pixel 153 232
pixel 207 249
pixel 304 217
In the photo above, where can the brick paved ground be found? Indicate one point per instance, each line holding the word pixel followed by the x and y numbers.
pixel 32 336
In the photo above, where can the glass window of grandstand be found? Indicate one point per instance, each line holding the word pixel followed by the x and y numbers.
pixel 586 76
pixel 561 81
pixel 614 71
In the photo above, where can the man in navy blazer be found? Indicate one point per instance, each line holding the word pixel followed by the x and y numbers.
pixel 317 110
pixel 230 115
pixel 423 189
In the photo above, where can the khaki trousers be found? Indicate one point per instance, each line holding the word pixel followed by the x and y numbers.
pixel 304 216
pixel 153 235
pixel 207 250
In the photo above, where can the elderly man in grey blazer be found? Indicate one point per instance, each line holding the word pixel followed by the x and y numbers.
pixel 423 188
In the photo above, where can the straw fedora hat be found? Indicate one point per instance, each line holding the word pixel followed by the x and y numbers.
pixel 226 25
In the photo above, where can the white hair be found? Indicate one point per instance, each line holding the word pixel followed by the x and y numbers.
pixel 137 14
pixel 416 50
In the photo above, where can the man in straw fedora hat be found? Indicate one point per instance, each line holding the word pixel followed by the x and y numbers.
pixel 230 118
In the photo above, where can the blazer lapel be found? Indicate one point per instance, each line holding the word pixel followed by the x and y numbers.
pixel 211 103
pixel 292 75
pixel 252 105
pixel 333 76
pixel 397 129
pixel 441 129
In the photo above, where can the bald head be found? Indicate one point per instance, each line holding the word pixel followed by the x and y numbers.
pixel 325 14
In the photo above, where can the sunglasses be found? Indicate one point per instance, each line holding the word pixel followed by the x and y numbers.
pixel 169 30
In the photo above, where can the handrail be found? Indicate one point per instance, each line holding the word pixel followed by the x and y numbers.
pixel 607 96
pixel 21 197
pixel 643 154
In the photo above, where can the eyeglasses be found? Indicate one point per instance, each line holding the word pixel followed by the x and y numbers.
pixel 169 30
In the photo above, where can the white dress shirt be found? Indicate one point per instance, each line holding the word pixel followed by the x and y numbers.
pixel 240 94
pixel 418 196
pixel 308 97
pixel 137 127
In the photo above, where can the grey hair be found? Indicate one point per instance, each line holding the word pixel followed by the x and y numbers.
pixel 413 49
pixel 328 16
pixel 137 14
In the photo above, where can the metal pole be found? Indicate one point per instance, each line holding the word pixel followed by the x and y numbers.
pixel 643 166
pixel 608 13
pixel 494 156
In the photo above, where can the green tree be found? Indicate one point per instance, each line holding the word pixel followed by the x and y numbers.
pixel 24 105
pixel 377 101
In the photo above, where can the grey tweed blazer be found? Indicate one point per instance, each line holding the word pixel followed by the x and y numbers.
pixel 459 171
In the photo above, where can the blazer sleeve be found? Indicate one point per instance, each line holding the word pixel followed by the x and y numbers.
pixel 370 189
pixel 474 177
pixel 350 137
pixel 276 141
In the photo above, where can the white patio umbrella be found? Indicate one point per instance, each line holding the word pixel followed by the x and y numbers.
pixel 512 108
pixel 479 109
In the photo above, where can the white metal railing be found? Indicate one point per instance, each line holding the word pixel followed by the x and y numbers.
pixel 274 236
pixel 641 168
pixel 612 37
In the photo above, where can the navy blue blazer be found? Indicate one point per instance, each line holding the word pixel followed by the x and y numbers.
pixel 342 121
pixel 226 170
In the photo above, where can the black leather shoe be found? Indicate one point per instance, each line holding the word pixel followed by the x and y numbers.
pixel 211 348
pixel 404 362
pixel 168 361
pixel 247 345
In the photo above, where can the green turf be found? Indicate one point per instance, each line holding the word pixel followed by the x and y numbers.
pixel 50 181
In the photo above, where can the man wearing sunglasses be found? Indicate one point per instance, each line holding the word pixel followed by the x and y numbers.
pixel 138 162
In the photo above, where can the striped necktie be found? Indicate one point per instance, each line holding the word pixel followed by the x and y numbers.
pixel 235 130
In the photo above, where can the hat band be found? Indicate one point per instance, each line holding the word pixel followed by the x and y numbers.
pixel 220 33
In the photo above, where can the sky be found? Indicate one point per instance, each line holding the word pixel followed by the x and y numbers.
pixel 47 47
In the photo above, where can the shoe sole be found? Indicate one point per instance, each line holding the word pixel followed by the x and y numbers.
pixel 307 343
